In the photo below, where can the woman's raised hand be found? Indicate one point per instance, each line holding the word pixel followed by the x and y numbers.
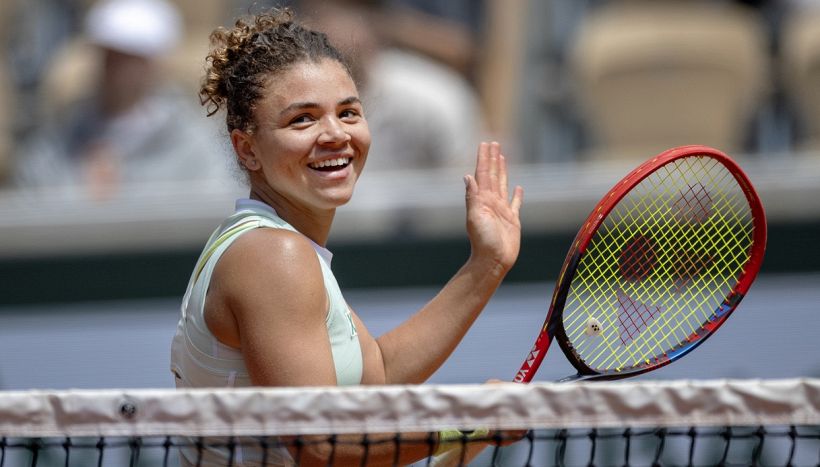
pixel 493 223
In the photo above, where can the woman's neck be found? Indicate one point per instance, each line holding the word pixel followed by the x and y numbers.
pixel 311 223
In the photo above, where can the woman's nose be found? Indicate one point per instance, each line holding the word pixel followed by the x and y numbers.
pixel 333 132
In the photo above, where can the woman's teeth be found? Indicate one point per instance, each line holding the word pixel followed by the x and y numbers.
pixel 330 164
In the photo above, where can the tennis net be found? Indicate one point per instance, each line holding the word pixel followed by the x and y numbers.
pixel 645 422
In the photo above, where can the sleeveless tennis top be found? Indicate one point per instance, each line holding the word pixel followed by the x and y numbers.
pixel 199 360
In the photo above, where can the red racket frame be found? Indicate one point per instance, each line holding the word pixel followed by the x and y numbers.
pixel 552 325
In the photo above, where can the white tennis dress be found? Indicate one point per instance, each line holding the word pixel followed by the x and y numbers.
pixel 199 360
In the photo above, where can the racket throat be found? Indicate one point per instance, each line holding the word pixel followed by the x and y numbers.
pixel 534 358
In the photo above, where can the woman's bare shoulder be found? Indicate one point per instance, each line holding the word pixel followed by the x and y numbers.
pixel 267 262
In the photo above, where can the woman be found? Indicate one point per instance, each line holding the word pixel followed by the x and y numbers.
pixel 263 307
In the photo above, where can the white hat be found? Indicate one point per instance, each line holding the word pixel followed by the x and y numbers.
pixel 138 27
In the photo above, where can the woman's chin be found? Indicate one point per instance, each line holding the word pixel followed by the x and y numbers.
pixel 336 198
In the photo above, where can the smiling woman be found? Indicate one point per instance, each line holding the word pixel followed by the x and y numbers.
pixel 309 143
pixel 263 306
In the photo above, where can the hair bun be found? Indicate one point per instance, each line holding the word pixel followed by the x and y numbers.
pixel 243 58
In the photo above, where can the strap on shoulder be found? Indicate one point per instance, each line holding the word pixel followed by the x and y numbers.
pixel 241 224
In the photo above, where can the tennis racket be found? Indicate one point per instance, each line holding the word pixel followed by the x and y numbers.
pixel 656 268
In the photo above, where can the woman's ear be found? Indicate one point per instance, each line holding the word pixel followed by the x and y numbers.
pixel 243 146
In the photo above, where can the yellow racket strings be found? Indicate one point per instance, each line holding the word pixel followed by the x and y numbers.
pixel 703 260
pixel 659 266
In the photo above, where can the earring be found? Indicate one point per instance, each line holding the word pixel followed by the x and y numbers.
pixel 251 164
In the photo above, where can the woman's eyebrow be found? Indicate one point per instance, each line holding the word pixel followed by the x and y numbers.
pixel 313 105
pixel 298 106
pixel 350 100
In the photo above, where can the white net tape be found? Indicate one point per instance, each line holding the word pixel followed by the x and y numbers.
pixel 305 411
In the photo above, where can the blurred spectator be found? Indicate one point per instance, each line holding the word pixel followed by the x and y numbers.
pixel 425 113
pixel 30 31
pixel 116 120
pixel 185 63
pixel 450 30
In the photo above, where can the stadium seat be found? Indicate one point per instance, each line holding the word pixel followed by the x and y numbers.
pixel 650 75
pixel 800 49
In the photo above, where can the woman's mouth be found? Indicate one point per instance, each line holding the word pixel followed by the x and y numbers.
pixel 330 165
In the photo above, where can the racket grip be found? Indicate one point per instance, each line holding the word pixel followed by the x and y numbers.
pixel 455 457
pixel 458 448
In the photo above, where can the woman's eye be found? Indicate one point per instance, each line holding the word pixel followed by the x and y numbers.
pixel 301 119
pixel 349 113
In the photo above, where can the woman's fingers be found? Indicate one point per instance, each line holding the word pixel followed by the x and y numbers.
pixel 502 176
pixel 494 155
pixel 492 216
pixel 491 169
pixel 471 185
pixel 518 198
pixel 482 166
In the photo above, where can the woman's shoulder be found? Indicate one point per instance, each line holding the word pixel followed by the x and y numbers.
pixel 263 276
pixel 267 247
pixel 267 265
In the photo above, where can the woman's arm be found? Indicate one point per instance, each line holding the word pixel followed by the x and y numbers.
pixel 415 349
pixel 267 298
pixel 274 307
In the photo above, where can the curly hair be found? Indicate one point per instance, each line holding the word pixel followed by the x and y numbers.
pixel 242 59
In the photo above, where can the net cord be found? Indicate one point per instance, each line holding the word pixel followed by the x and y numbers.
pixel 425 408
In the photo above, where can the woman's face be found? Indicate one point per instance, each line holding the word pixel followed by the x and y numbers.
pixel 311 138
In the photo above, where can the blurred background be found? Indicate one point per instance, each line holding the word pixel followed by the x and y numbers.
pixel 112 177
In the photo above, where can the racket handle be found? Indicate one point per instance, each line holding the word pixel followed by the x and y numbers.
pixel 455 446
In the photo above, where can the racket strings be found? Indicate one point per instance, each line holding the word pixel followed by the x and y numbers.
pixel 660 265
pixel 694 205
pixel 670 332
pixel 624 314
pixel 677 270
pixel 634 317
pixel 645 290
pixel 614 237
pixel 691 267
